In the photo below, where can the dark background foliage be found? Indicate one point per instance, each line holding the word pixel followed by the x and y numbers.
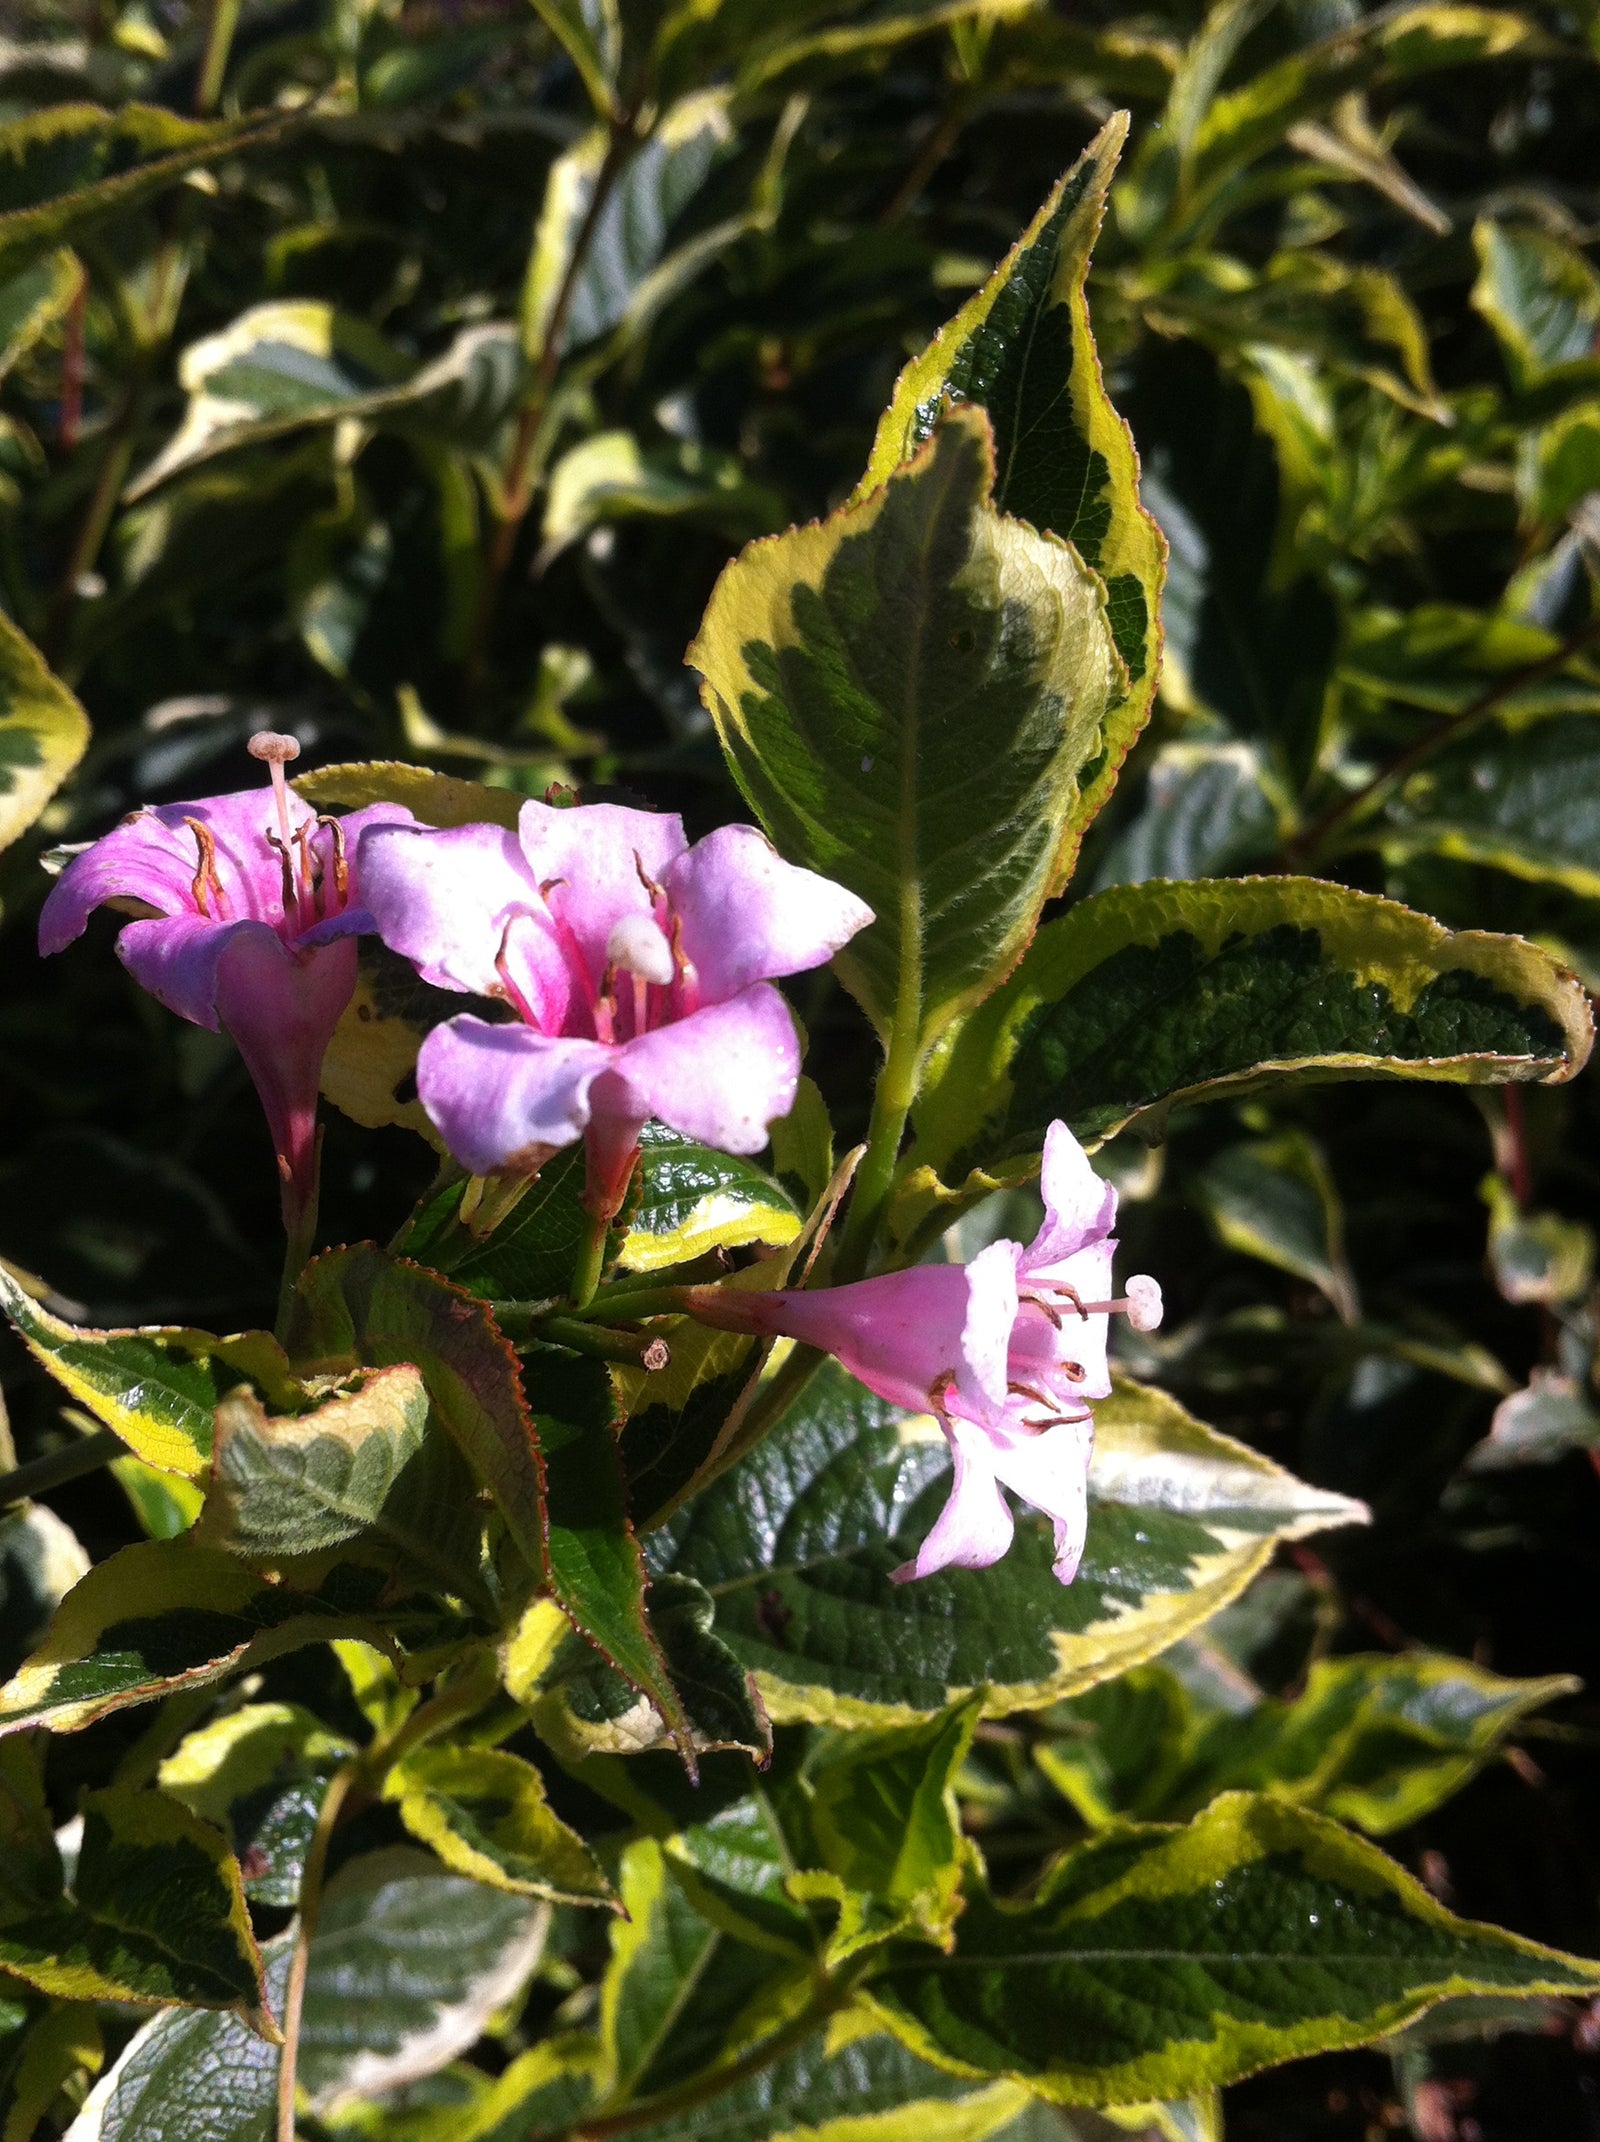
pixel 1382 512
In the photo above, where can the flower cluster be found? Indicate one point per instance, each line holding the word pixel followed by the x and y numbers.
pixel 629 975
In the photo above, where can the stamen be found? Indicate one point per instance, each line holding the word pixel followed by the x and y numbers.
pixel 688 978
pixel 276 752
pixel 645 879
pixel 637 946
pixel 205 878
pixel 605 1008
pixel 305 882
pixel 1039 1302
pixel 508 987
pixel 287 865
pixel 1141 1305
pixel 641 1006
pixel 341 862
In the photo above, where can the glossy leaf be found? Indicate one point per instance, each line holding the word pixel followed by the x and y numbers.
pixel 1541 296
pixel 612 477
pixel 692 1200
pixel 1021 348
pixel 165 1615
pixel 1553 1416
pixel 1205 813
pixel 34 301
pixel 485 1813
pixel 1152 995
pixel 43 733
pixel 158 1915
pixel 1155 1962
pixel 157 1388
pixel 842 662
pixel 797 1544
pixel 41 1559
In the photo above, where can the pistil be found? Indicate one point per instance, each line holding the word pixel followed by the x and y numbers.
pixel 276 752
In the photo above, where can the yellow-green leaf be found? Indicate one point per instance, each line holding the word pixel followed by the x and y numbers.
pixel 43 732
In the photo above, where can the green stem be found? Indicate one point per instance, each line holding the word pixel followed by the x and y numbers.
pixel 625 1305
pixel 869 1198
pixel 590 1260
pixel 219 43
pixel 54 1470
pixel 638 1349
pixel 300 1239
pixel 311 1883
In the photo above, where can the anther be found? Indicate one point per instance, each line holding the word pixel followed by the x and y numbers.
pixel 508 987
pixel 286 864
pixel 205 878
pixel 655 891
pixel 1039 1302
pixel 341 862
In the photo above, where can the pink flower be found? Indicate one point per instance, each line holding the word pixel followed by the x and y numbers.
pixel 247 918
pixel 639 970
pixel 1006 1352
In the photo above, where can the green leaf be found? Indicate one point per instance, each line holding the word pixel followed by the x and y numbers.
pixel 542 2091
pixel 359 1308
pixel 66 166
pixel 293 364
pixel 159 1915
pixel 1206 812
pixel 41 1559
pixel 158 1388
pixel 259 1773
pixel 591 34
pixel 1149 996
pixel 1378 1742
pixel 842 662
pixel 610 476
pixel 797 1543
pixel 63 2046
pixel 485 1813
pixel 1274 1198
pixel 357 1473
pixel 526 1256
pixel 43 733
pixel 884 1814
pixel 1022 349
pixel 779 55
pixel 1536 1256
pixel 165 1615
pixel 31 303
pixel 692 1200
pixel 166 1504
pixel 1523 796
pixel 1552 1417
pixel 596 1569
pixel 408 1965
pixel 436 799
pixel 1156 1962
pixel 1542 298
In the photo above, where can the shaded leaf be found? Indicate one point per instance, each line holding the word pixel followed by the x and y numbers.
pixel 259 1773
pixel 1274 1198
pixel 1542 298
pixel 1205 813
pixel 1524 797
pixel 1554 1416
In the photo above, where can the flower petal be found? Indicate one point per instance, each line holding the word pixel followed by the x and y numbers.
pixel 899 1334
pixel 597 850
pixel 721 1075
pixel 504 1096
pixel 1050 1469
pixel 448 898
pixel 748 916
pixel 154 857
pixel 1042 1351
pixel 1079 1208
pixel 281 1008
pixel 986 1330
pixel 975 1526
pixel 175 957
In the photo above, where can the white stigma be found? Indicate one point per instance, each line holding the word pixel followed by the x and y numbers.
pixel 637 946
pixel 1144 1302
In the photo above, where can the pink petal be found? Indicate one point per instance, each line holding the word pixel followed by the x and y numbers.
pixel 597 850
pixel 281 1008
pixel 1079 1207
pixel 446 898
pixel 986 1329
pixel 723 1074
pixel 1040 1349
pixel 1050 1469
pixel 748 916
pixel 899 1334
pixel 974 1528
pixel 154 857
pixel 504 1096
pixel 175 957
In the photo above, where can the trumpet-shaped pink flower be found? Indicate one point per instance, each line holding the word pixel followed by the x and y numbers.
pixel 247 914
pixel 1006 1352
pixel 639 970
